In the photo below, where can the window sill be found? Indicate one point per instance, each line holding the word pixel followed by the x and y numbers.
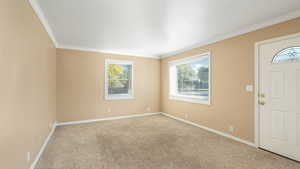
pixel 189 99
pixel 119 97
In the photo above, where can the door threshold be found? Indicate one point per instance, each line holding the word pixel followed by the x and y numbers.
pixel 279 155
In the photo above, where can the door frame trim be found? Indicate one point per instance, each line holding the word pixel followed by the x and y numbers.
pixel 256 82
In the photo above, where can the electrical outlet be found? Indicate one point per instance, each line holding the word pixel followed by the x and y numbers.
pixel 50 125
pixel 108 110
pixel 231 129
pixel 28 156
pixel 148 109
pixel 186 115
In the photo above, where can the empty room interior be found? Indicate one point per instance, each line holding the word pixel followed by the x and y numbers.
pixel 150 84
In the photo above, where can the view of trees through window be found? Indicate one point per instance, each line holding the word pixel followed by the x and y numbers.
pixel 193 78
pixel 119 78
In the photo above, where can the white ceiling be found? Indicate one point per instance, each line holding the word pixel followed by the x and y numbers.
pixel 155 28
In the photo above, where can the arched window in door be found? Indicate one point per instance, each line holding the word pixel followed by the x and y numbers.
pixel 289 54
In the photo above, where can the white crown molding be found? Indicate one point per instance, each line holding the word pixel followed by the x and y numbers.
pixel 102 51
pixel 211 130
pixel 105 119
pixel 38 156
pixel 43 20
pixel 250 28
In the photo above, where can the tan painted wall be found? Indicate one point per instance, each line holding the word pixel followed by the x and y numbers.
pixel 232 70
pixel 80 86
pixel 27 85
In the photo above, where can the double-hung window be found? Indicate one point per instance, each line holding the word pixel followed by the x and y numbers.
pixel 189 79
pixel 118 79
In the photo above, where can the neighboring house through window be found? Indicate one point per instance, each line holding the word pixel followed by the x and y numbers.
pixel 190 79
pixel 118 79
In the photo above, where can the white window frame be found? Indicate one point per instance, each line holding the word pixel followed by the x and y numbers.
pixel 173 94
pixel 130 95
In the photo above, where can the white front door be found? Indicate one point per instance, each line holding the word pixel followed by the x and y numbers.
pixel 279 96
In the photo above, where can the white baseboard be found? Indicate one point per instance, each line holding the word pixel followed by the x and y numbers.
pixel 38 156
pixel 33 165
pixel 105 119
pixel 211 130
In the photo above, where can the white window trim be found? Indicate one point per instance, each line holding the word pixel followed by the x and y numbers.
pixel 172 87
pixel 118 96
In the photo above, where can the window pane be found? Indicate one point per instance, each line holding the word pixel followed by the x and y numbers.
pixel 192 79
pixel 119 87
pixel 119 79
pixel 287 55
pixel 116 71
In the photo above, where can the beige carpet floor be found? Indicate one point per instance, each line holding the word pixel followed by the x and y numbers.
pixel 153 142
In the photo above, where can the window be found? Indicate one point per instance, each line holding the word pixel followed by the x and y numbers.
pixel 290 54
pixel 190 79
pixel 118 79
